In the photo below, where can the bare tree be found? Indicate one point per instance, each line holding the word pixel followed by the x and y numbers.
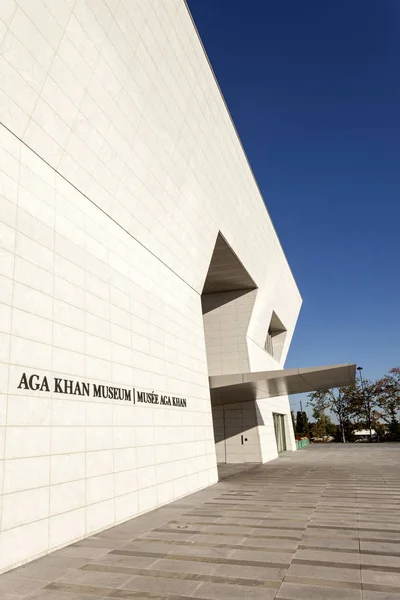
pixel 339 401
pixel 388 399
pixel 367 402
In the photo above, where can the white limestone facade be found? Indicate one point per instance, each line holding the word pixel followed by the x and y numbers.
pixel 119 168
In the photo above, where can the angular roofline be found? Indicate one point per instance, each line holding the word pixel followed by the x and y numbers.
pixel 240 142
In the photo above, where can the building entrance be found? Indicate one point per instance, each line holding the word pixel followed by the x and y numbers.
pixel 236 434
pixel 279 425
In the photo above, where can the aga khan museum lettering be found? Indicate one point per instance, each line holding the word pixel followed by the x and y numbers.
pixel 72 387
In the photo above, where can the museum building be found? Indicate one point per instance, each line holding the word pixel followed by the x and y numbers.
pixel 146 304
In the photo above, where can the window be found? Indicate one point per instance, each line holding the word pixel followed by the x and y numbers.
pixel 269 346
pixel 275 337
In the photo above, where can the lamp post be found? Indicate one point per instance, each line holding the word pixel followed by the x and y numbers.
pixel 359 369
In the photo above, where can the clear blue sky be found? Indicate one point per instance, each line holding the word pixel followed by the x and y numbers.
pixel 314 90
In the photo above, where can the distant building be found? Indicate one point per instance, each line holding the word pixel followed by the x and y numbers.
pixel 364 434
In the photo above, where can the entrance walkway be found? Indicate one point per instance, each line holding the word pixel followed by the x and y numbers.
pixel 321 523
pixel 225 471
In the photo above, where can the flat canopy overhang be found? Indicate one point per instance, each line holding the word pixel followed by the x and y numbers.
pixel 244 387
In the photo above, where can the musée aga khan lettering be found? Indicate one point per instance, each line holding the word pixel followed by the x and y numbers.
pixel 80 388
pixel 146 304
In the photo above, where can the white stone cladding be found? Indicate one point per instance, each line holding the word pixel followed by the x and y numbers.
pixel 226 320
pixel 119 165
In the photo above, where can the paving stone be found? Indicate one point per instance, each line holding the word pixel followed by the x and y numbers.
pixel 202 519
pixel 237 530
pixel 285 523
pixel 263 556
pixel 181 566
pixel 380 578
pixel 201 552
pixel 47 595
pixel 162 586
pixel 326 556
pixel 382 520
pixel 338 573
pixel 168 535
pixel 378 561
pixel 251 522
pixel 294 534
pixel 93 542
pixel 291 591
pixel 255 573
pixel 218 539
pixel 374 595
pixel 380 547
pixel 380 536
pixel 289 515
pixel 274 543
pixel 98 578
pixel 47 568
pixel 81 552
pixel 78 590
pixel 374 526
pixel 318 542
pixel 341 522
pixel 215 591
pixel 141 562
pixel 333 530
pixel 19 587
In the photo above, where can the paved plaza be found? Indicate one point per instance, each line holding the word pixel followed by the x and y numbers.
pixel 321 523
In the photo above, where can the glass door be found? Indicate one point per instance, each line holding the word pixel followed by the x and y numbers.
pixel 279 425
